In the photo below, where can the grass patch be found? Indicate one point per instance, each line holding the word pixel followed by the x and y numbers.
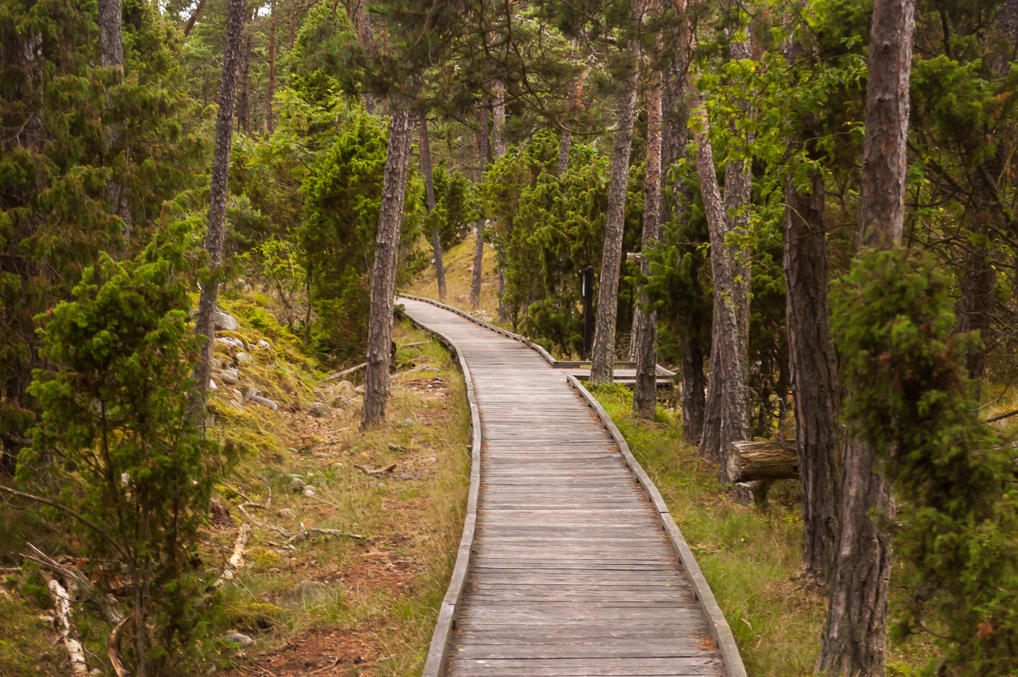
pixel 750 558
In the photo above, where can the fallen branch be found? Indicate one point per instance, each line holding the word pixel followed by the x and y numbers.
pixel 331 665
pixel 331 532
pixel 69 635
pixel 67 511
pixel 113 648
pixel 375 471
pixel 346 372
pixel 236 560
pixel 1001 417
pixel 104 603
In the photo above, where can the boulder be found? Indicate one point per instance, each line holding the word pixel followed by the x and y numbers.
pixel 224 321
pixel 230 341
pixel 320 410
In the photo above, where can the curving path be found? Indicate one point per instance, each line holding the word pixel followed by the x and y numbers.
pixel 570 564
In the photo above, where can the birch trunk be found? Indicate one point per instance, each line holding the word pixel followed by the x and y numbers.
pixel 383 273
pixel 855 635
pixel 603 353
pixel 216 234
pixel 429 191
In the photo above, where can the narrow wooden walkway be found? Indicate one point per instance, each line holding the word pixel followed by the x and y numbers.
pixel 568 566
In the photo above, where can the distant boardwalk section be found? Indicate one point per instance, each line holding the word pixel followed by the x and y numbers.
pixel 570 564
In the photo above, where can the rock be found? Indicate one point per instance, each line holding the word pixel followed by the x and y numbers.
pixel 320 410
pixel 216 363
pixel 397 448
pixel 345 389
pixel 242 358
pixel 309 491
pixel 263 345
pixel 341 403
pixel 286 513
pixel 252 392
pixel 307 592
pixel 238 638
pixel 225 321
pixel 319 394
pixel 212 385
pixel 265 402
pixel 408 421
pixel 359 390
pixel 230 341
pixel 229 376
pixel 296 485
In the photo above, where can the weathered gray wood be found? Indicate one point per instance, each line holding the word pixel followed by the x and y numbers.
pixel 570 569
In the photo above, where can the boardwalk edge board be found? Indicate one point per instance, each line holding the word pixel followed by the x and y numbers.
pixel 719 628
pixel 437 652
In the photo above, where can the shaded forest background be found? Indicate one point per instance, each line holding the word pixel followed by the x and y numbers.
pixel 707 161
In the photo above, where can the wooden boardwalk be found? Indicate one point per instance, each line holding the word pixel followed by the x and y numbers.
pixel 570 564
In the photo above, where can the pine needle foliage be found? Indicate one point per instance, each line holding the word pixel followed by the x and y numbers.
pixel 114 443
pixel 953 476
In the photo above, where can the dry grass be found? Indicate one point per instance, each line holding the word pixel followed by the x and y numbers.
pixel 459 262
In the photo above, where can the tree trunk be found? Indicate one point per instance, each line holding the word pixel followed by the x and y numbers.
pixel 429 191
pixel 111 55
pixel 753 461
pixel 498 120
pixel 855 635
pixel 193 18
pixel 364 36
pixel 644 321
pixel 727 410
pixel 603 354
pixel 383 273
pixel 243 97
pixel 271 86
pixel 482 152
pixel 726 416
pixel 204 325
pixel 813 368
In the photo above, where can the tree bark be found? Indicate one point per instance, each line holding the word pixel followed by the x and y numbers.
pixel 216 234
pixel 243 97
pixel 727 408
pixel 726 416
pixel 429 192
pixel 383 273
pixel 855 635
pixel 498 141
pixel 603 354
pixel 271 85
pixel 364 36
pixel 813 369
pixel 482 152
pixel 111 55
pixel 193 18
pixel 644 321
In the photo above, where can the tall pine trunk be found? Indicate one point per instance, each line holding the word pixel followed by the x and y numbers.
pixel 855 634
pixel 726 419
pixel 429 192
pixel 498 143
pixel 243 96
pixel 111 55
pixel 215 237
pixel 726 416
pixel 813 368
pixel 644 320
pixel 383 272
pixel 482 153
pixel 811 358
pixel 270 92
pixel 603 353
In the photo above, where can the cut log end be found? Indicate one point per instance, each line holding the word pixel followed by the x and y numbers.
pixel 771 460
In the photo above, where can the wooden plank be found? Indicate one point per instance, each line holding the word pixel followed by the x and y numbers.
pixel 571 572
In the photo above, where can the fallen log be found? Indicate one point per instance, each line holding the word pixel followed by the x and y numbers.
pixel 771 460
